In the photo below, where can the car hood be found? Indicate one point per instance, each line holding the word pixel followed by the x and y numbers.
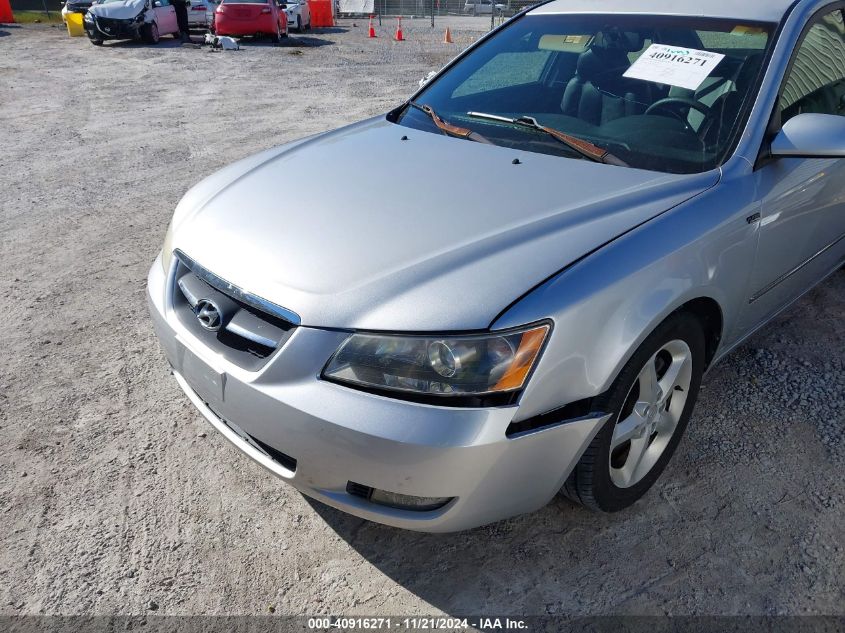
pixel 122 10
pixel 358 228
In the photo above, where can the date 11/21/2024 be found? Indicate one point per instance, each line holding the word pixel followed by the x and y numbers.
pixel 416 623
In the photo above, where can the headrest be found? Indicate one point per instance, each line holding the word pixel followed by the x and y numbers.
pixel 601 63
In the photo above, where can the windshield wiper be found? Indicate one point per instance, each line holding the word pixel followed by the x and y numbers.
pixel 448 128
pixel 584 148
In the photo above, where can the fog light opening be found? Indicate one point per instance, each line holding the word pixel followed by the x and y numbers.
pixel 396 500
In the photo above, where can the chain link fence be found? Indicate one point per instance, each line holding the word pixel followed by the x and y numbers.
pixel 489 9
pixel 47 9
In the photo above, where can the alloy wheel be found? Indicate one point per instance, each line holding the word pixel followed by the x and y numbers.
pixel 650 414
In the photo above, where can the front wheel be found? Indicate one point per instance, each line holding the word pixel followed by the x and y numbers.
pixel 651 402
pixel 97 42
pixel 298 24
pixel 150 33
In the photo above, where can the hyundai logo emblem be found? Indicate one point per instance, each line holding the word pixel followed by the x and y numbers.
pixel 208 314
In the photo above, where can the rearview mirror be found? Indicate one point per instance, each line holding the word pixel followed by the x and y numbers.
pixel 811 136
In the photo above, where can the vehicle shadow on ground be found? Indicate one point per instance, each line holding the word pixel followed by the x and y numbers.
pixel 328 30
pixel 484 570
pixel 166 42
pixel 292 41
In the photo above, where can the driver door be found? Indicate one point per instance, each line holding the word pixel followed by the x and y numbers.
pixel 802 228
pixel 165 17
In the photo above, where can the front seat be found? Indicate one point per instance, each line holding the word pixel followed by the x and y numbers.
pixel 598 93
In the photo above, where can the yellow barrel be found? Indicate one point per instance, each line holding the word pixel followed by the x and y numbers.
pixel 74 25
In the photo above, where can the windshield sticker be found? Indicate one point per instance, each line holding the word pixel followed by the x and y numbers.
pixel 674 66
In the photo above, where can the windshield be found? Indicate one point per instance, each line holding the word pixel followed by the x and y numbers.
pixel 660 93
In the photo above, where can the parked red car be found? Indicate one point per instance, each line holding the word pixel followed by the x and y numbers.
pixel 251 17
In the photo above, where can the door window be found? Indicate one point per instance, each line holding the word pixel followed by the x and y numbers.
pixel 816 81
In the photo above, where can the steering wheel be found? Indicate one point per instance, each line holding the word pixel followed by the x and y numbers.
pixel 669 103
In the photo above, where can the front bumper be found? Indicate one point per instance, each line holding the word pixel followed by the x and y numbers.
pixel 111 29
pixel 338 435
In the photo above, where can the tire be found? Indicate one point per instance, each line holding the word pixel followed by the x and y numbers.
pixel 286 31
pixel 97 42
pixel 605 478
pixel 299 24
pixel 150 33
pixel 277 36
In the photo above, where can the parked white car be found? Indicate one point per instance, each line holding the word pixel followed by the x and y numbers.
pixel 130 19
pixel 299 14
pixel 482 6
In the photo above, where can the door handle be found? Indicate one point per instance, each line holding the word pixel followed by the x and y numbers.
pixel 751 219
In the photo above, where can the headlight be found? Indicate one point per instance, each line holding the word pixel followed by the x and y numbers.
pixel 497 363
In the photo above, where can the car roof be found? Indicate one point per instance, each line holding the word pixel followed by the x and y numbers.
pixel 754 10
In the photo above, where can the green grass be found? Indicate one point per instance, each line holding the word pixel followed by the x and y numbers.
pixel 30 17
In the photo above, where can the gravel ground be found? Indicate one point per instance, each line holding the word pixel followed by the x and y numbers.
pixel 117 498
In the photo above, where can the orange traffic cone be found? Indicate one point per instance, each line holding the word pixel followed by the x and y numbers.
pixel 399 37
pixel 6 15
pixel 447 39
pixel 372 32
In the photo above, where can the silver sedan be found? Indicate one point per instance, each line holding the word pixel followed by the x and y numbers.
pixel 579 216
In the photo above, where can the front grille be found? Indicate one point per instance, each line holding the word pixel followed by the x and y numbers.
pixel 247 329
pixel 111 26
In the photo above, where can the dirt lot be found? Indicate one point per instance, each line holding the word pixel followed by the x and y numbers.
pixel 116 497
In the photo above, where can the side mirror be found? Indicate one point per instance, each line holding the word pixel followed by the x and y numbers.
pixel 811 136
pixel 156 3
